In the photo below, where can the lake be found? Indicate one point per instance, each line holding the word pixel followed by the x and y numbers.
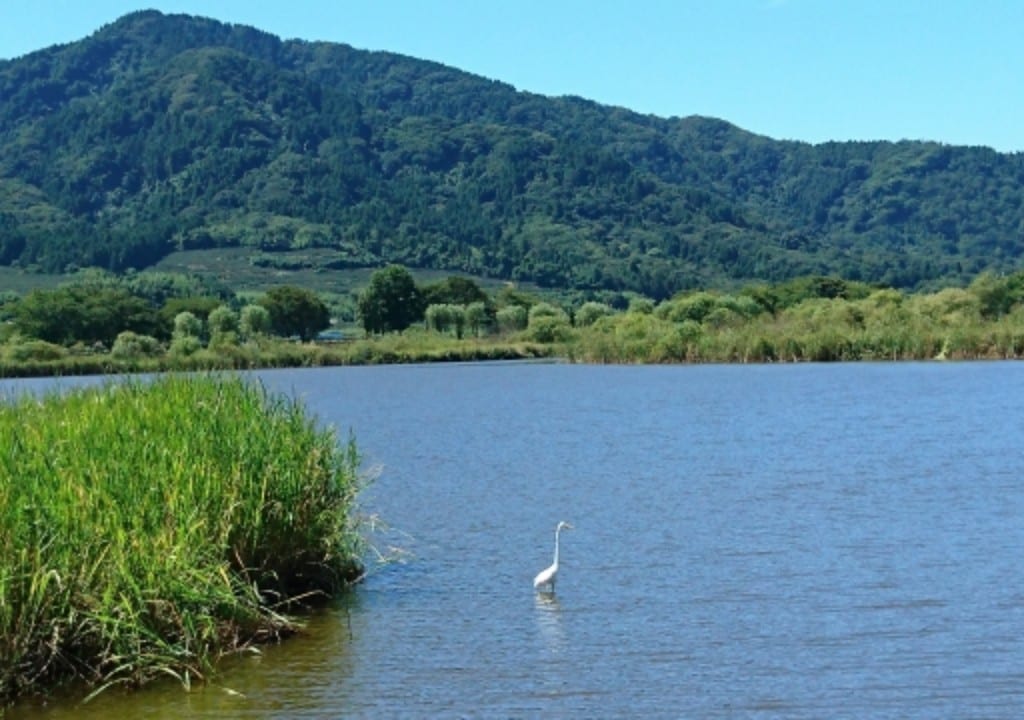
pixel 800 541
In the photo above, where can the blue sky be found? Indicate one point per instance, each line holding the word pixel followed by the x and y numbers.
pixel 814 70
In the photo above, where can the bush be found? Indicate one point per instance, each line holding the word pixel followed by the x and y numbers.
pixel 476 317
pixel 254 320
pixel 549 329
pixel 222 320
pixel 185 345
pixel 34 351
pixel 132 345
pixel 589 313
pixel 446 317
pixel 187 324
pixel 511 318
pixel 641 306
pixel 546 310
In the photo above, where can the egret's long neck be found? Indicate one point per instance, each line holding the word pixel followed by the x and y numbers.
pixel 557 530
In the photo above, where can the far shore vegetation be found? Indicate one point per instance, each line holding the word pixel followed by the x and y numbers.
pixel 98 323
pixel 143 538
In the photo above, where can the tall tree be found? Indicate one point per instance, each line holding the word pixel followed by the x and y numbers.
pixel 296 311
pixel 391 302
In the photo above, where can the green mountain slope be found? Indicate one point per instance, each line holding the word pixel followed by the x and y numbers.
pixel 162 132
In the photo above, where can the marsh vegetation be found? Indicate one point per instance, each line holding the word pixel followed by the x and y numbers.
pixel 99 323
pixel 151 527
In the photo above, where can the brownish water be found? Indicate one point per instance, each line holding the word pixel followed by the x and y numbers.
pixel 290 679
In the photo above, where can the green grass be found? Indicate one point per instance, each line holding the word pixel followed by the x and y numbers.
pixel 23 282
pixel 148 528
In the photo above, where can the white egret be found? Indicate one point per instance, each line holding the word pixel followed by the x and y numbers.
pixel 547 576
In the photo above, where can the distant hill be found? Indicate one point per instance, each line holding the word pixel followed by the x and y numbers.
pixel 164 132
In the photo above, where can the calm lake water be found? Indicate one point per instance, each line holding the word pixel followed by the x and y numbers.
pixel 799 541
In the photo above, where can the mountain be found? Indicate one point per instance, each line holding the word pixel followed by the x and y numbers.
pixel 165 132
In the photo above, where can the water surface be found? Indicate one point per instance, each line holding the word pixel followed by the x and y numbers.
pixel 751 541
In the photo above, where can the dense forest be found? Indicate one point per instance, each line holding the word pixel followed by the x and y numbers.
pixel 167 132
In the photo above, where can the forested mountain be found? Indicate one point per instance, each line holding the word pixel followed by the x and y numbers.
pixel 163 132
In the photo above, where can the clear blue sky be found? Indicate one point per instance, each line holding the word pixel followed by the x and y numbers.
pixel 945 70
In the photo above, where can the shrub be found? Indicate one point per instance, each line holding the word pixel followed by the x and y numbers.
pixel 34 350
pixel 511 318
pixel 476 317
pixel 549 329
pixel 222 320
pixel 187 324
pixel 185 345
pixel 544 310
pixel 641 306
pixel 132 345
pixel 589 313
pixel 446 317
pixel 254 320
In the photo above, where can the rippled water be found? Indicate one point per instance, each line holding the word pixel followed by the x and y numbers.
pixel 751 541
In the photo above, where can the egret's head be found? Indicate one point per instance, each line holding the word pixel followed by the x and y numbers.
pixel 565 525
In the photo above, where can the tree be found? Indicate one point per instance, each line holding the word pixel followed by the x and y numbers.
pixel 546 309
pixel 77 313
pixel 200 306
pixel 453 290
pixel 438 317
pixel 641 305
pixel 510 295
pixel 511 318
pixel 186 337
pixel 391 302
pixel 253 320
pixel 222 320
pixel 296 311
pixel 187 325
pixel 53 316
pixel 132 345
pixel 223 326
pixel 590 312
pixel 995 294
pixel 476 317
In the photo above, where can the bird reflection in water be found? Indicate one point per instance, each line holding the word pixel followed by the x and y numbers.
pixel 549 622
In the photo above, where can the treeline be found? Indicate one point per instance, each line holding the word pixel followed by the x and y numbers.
pixel 806 319
pixel 100 323
pixel 982 321
pixel 160 133
pixel 149 313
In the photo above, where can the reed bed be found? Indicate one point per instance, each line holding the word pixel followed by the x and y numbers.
pixel 408 348
pixel 148 528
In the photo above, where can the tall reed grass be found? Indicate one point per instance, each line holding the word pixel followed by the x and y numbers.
pixel 148 528
pixel 409 347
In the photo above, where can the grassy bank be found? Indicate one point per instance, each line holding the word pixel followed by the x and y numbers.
pixel 149 528
pixel 410 347
pixel 882 326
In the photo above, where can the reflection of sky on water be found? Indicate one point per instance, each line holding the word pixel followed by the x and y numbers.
pixel 751 550
pixel 549 622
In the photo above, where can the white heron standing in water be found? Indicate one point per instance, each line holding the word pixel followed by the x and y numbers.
pixel 547 576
